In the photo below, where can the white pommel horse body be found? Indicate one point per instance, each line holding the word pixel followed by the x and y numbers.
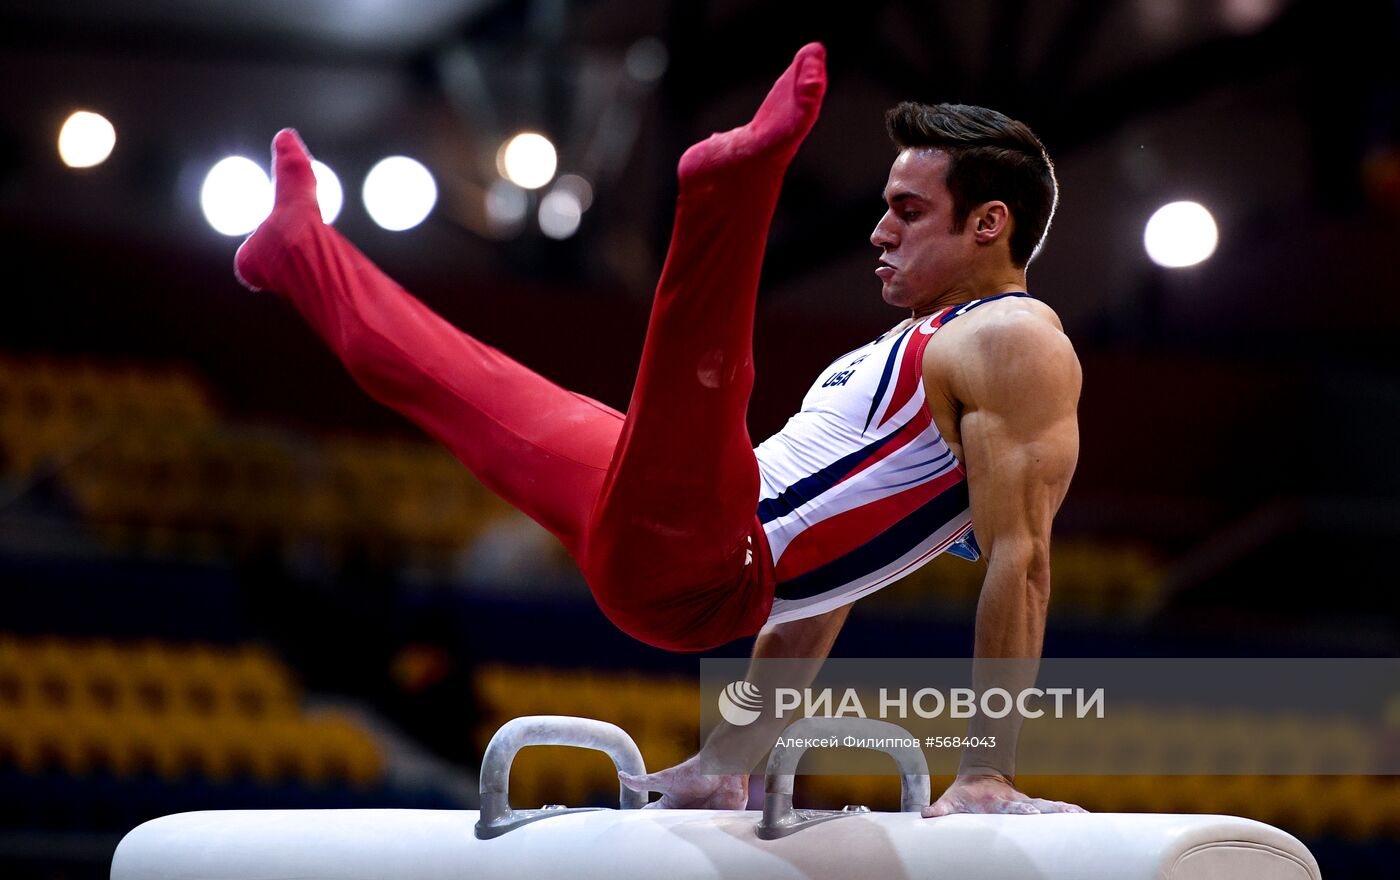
pixel 778 843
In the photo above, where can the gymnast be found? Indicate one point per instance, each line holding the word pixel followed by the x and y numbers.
pixel 688 536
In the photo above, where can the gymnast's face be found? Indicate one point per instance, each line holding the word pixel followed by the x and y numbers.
pixel 923 259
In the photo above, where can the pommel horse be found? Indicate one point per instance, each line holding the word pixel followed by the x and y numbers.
pixel 780 842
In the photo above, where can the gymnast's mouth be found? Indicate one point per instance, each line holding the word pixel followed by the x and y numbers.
pixel 886 271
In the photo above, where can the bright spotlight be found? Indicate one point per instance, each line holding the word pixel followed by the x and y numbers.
pixel 330 196
pixel 399 193
pixel 85 140
pixel 560 214
pixel 236 196
pixel 527 160
pixel 1180 234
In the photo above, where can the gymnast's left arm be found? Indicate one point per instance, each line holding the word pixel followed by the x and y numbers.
pixel 1018 383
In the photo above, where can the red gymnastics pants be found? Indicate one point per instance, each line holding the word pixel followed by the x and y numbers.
pixel 657 507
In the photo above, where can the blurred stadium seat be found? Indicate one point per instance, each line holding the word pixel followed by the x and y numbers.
pixel 178 711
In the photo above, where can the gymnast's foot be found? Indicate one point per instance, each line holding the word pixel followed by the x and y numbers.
pixel 294 210
pixel 771 139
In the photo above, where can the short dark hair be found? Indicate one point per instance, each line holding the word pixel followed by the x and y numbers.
pixel 990 157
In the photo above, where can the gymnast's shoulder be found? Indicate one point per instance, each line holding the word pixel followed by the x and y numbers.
pixel 1015 341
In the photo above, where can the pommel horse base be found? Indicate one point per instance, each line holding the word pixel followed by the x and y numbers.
pixel 498 843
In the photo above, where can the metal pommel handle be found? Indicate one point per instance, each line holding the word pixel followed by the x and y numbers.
pixel 779 817
pixel 497 817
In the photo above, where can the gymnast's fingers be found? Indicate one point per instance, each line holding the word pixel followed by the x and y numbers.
pixel 644 781
pixel 938 808
pixel 1049 806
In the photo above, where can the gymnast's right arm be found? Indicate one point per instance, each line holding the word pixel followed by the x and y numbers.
pixel 707 780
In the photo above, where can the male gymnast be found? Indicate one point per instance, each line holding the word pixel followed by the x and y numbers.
pixel 687 535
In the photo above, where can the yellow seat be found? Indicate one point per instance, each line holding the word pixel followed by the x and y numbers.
pixel 1355 806
pixel 18 740
pixel 56 673
pixel 255 684
pixel 272 749
pixel 182 743
pixel 104 678
pixel 339 749
pixel 195 681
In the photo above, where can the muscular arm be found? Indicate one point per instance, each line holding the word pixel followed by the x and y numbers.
pixel 1018 382
pixel 1020 438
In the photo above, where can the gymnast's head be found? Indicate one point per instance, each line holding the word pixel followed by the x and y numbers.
pixel 968 203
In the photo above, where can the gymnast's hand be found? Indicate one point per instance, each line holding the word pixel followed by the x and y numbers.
pixel 687 787
pixel 991 794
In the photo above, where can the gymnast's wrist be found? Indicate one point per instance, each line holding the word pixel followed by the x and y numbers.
pixel 973 773
pixel 725 757
pixel 729 749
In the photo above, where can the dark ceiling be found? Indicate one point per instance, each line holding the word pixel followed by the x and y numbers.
pixel 1261 109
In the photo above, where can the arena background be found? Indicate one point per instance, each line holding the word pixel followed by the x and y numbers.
pixel 228 578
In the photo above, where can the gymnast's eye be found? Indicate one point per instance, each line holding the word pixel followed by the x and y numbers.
pixel 911 215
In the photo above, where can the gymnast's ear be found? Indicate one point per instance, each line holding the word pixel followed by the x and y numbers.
pixel 991 221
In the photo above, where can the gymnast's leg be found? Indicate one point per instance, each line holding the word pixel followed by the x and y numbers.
pixel 672 492
pixel 540 447
pixel 672 538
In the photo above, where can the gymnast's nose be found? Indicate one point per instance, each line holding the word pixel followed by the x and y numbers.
pixel 884 236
